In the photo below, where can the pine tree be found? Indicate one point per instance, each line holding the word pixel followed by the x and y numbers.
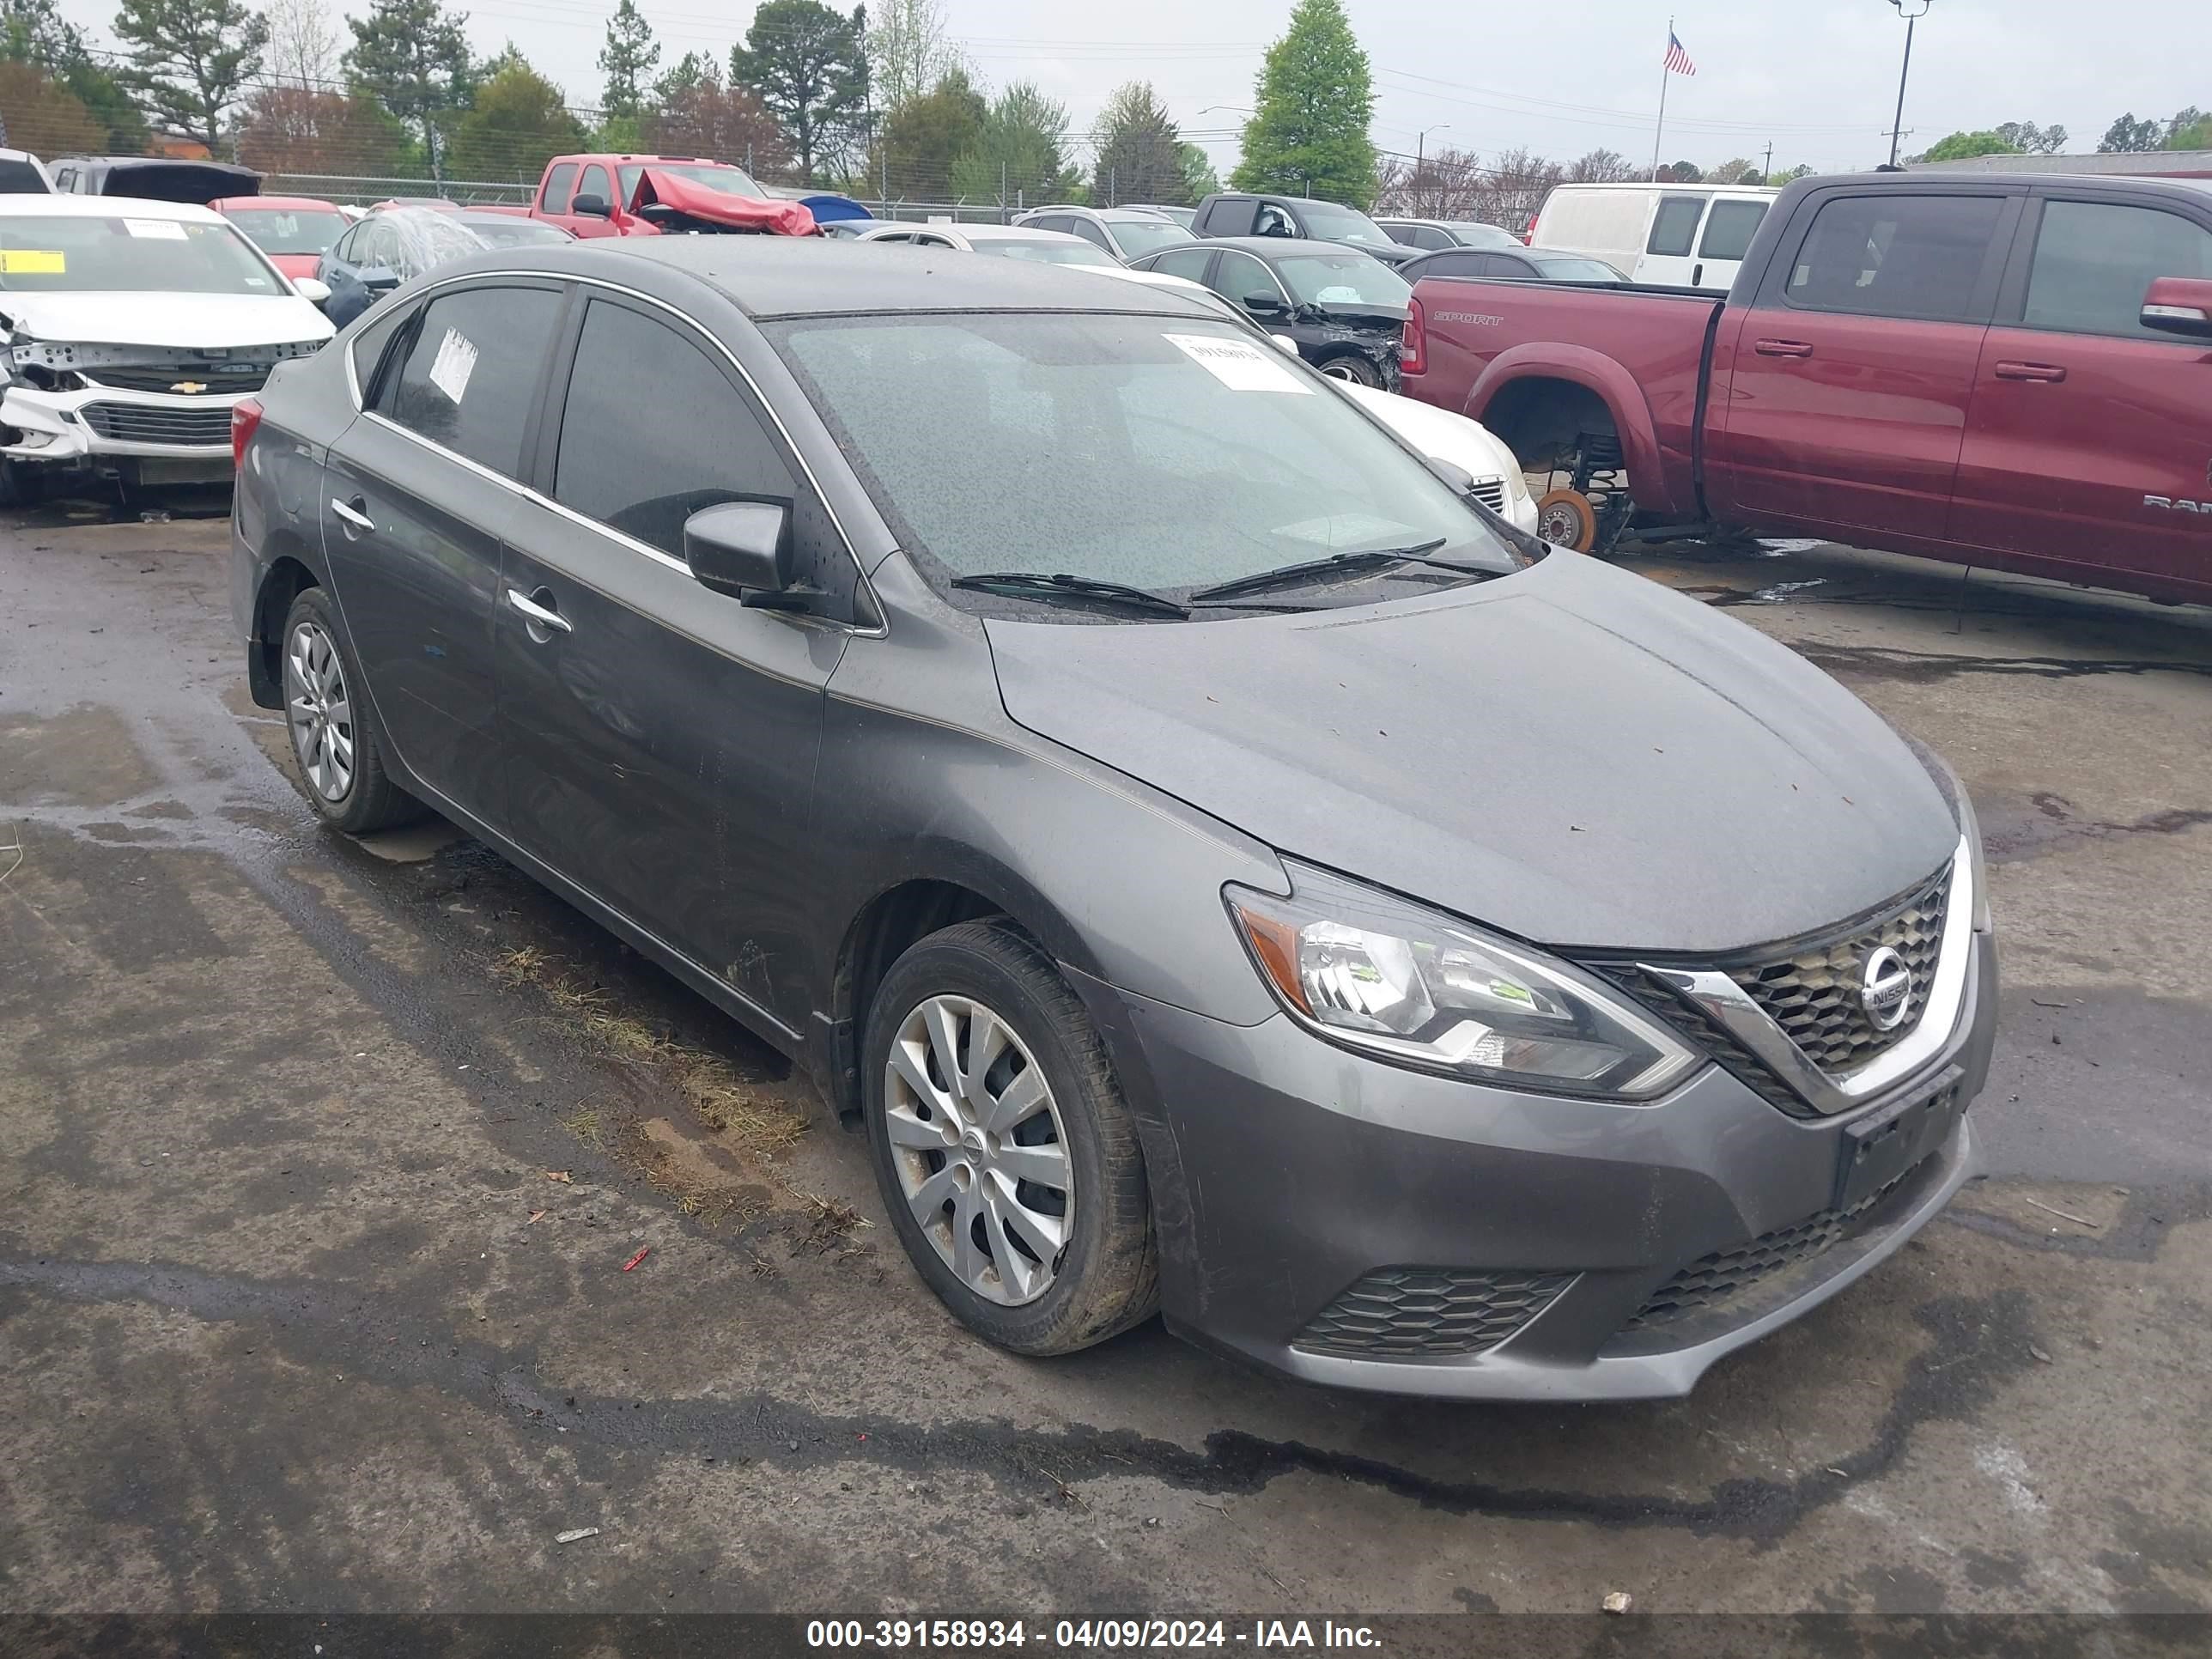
pixel 190 59
pixel 628 60
pixel 1308 135
pixel 1139 151
pixel 809 67
pixel 413 58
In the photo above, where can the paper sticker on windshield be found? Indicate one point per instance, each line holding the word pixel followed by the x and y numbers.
pixel 32 262
pixel 1240 365
pixel 455 361
pixel 159 230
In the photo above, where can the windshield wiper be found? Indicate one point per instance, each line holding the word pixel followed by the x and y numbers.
pixel 1038 585
pixel 1336 564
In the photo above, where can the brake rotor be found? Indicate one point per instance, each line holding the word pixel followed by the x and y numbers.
pixel 1567 519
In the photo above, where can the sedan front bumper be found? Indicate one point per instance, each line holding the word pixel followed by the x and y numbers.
pixel 1355 1224
pixel 98 423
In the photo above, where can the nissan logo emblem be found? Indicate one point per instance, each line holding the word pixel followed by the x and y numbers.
pixel 1886 989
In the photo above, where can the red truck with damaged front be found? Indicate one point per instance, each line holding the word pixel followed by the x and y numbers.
pixel 621 195
pixel 2010 371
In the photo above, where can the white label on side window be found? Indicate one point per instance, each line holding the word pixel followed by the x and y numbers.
pixel 1237 364
pixel 455 361
pixel 160 230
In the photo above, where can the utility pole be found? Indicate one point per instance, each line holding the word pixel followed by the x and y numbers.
pixel 1766 173
pixel 1905 10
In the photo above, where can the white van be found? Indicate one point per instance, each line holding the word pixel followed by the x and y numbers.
pixel 1680 235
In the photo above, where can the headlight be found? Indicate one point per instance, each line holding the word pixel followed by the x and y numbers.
pixel 1412 985
pixel 1954 790
pixel 1516 481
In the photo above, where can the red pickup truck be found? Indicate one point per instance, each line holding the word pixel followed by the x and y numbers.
pixel 2011 371
pixel 597 195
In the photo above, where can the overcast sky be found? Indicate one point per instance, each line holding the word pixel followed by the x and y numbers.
pixel 1816 78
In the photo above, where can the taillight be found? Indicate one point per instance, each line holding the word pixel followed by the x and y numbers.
pixel 245 417
pixel 1413 342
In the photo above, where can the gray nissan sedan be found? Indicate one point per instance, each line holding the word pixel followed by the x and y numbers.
pixel 1224 870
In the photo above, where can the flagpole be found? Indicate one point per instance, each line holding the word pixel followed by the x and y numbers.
pixel 1659 138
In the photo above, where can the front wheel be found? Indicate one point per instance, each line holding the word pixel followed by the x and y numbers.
pixel 1004 1150
pixel 1359 371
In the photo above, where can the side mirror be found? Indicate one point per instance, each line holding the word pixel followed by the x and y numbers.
pixel 313 289
pixel 2179 305
pixel 1260 303
pixel 378 280
pixel 592 206
pixel 744 549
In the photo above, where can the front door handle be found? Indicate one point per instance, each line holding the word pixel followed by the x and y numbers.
pixel 2048 374
pixel 540 616
pixel 1782 349
pixel 355 514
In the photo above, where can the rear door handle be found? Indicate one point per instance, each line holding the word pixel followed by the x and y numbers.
pixel 544 615
pixel 1782 349
pixel 353 514
pixel 2049 374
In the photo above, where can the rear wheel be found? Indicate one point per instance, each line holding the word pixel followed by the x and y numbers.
pixel 1005 1151
pixel 338 752
pixel 1582 493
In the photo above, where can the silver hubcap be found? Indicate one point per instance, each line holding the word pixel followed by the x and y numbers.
pixel 980 1149
pixel 1339 371
pixel 319 711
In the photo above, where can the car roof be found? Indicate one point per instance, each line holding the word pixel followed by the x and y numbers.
pixel 1264 245
pixel 313 204
pixel 771 277
pixel 1011 234
pixel 67 206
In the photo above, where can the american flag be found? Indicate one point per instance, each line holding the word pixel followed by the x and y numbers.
pixel 1678 61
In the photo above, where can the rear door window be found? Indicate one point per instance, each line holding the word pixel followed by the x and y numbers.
pixel 645 475
pixel 1893 255
pixel 1729 227
pixel 469 379
pixel 2095 260
pixel 1186 262
pixel 1084 228
pixel 559 184
pixel 1674 227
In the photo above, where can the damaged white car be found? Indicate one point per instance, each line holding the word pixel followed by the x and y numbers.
pixel 127 330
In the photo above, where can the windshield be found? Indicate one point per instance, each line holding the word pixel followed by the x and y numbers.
pixel 289 230
pixel 1073 251
pixel 1342 279
pixel 715 175
pixel 1576 270
pixel 124 255
pixel 1143 236
pixel 1332 223
pixel 1168 454
pixel 505 230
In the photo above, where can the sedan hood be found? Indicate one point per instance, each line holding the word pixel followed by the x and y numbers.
pixel 203 322
pixel 1573 754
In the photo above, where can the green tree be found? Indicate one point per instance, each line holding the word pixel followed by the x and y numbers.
pixel 1801 170
pixel 1199 180
pixel 190 60
pixel 2030 139
pixel 698 115
pixel 1738 170
pixel 515 124
pixel 926 137
pixel 1964 146
pixel 1139 151
pixel 1682 172
pixel 693 69
pixel 910 50
pixel 412 56
pixel 1021 155
pixel 2128 136
pixel 1308 135
pixel 35 32
pixel 808 65
pixel 627 60
pixel 2190 130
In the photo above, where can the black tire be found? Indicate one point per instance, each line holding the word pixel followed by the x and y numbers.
pixel 20 485
pixel 368 800
pixel 1108 1276
pixel 1351 366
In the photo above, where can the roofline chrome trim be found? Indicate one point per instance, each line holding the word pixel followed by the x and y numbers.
pixel 1721 999
pixel 862 585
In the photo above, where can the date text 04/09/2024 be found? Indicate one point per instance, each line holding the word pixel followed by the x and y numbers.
pixel 1086 1634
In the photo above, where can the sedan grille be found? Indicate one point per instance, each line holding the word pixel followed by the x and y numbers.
pixel 212 383
pixel 145 423
pixel 1714 1278
pixel 1815 995
pixel 1417 1312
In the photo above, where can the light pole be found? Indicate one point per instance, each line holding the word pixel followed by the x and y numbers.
pixel 1911 11
pixel 1421 144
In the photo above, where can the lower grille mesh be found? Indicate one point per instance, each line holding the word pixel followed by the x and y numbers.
pixel 141 423
pixel 1430 1311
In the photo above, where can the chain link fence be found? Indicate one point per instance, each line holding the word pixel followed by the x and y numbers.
pixel 361 190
